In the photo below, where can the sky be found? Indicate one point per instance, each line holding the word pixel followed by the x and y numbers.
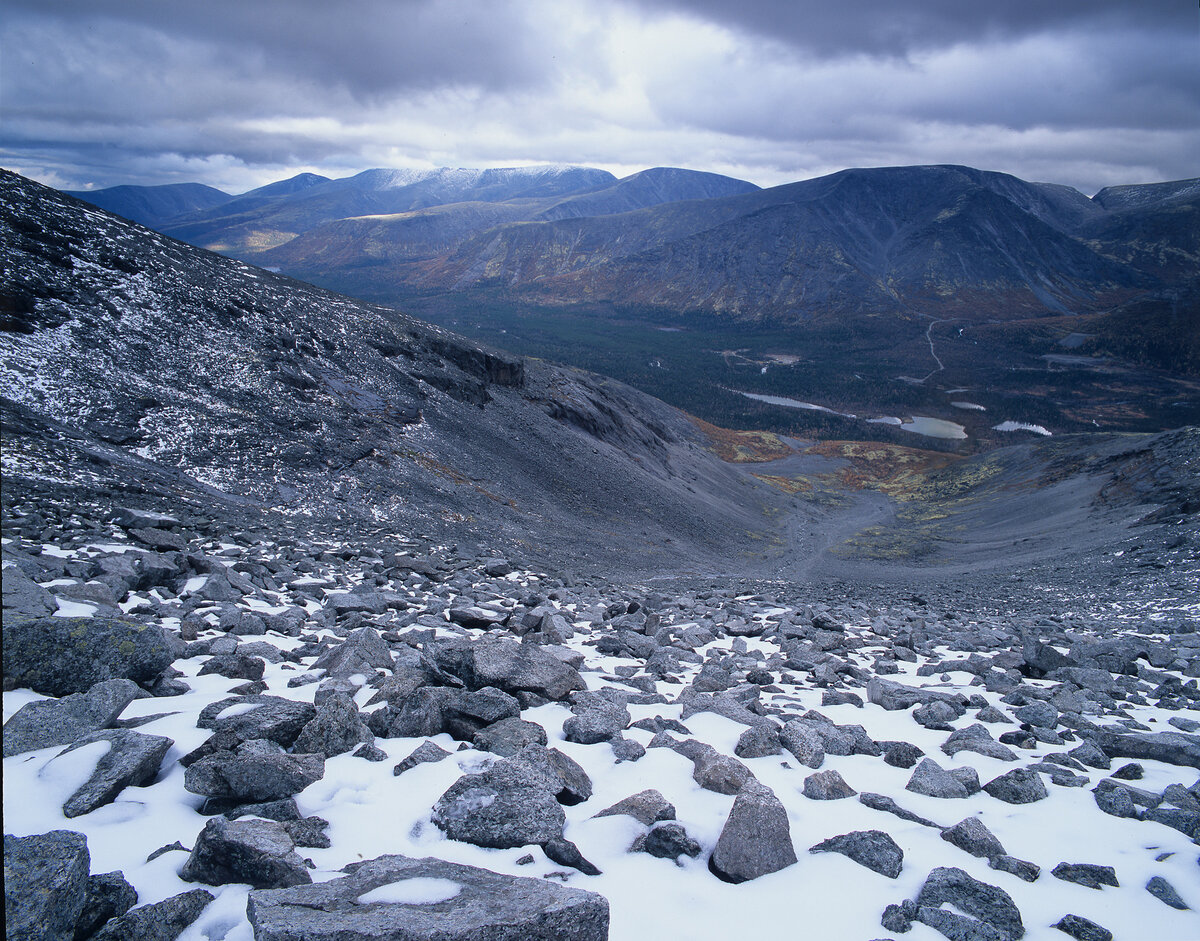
pixel 238 93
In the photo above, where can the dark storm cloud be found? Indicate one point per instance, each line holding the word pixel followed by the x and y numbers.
pixel 891 27
pixel 366 47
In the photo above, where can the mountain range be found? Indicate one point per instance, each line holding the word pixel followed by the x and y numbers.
pixel 1059 311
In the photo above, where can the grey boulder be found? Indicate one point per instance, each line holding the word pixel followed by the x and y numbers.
pixel 931 779
pixel 253 777
pixel 130 759
pixel 871 848
pixel 335 729
pixel 50 722
pixel 973 836
pixel 162 921
pixel 45 885
pixel 1019 786
pixel 979 900
pixel 258 717
pixel 398 898
pixel 647 807
pixel 59 656
pixel 256 852
pixel 756 839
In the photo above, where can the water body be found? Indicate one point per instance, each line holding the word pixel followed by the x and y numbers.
pixel 935 428
pixel 918 424
pixel 1021 426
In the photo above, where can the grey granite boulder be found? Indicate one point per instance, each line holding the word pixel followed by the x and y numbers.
pixel 827 786
pixel 987 903
pixel 49 722
pixel 109 895
pixel 803 743
pixel 364 651
pixel 246 718
pixel 335 729
pixel 162 921
pixel 131 758
pixel 432 710
pixel 511 804
pixel 508 736
pixel 597 722
pixel 59 656
pixel 1088 874
pixel 518 669
pixel 22 596
pixel 256 852
pixel 973 836
pixel 1019 786
pixel 1162 890
pixel 978 739
pixel 647 807
pixel 45 885
pixel 422 754
pixel 756 839
pixel 253 777
pixel 669 841
pixel 1173 748
pixel 397 898
pixel 758 741
pixel 933 780
pixel 1083 929
pixel 871 848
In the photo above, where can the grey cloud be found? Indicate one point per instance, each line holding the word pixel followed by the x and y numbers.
pixel 898 27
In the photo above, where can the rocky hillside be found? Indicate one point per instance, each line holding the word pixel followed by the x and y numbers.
pixel 131 355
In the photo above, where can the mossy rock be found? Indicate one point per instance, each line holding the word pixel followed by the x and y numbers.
pixel 59 656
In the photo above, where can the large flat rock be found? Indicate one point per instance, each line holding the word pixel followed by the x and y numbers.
pixel 398 898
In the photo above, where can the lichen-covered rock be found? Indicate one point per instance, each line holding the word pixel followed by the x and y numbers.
pixel 45 885
pixel 60 656
pixel 49 722
pixel 260 853
pixel 397 898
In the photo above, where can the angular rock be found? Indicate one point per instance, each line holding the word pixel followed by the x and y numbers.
pixel 234 666
pixel 804 744
pixel 896 696
pixel 23 597
pixel 901 754
pixel 973 836
pixel 566 853
pixel 510 666
pixel 511 804
pixel 1173 748
pixel 259 853
pixel 425 752
pixel 477 618
pixel 260 777
pixel 887 805
pixel 336 728
pixel 669 841
pixel 363 652
pixel 1083 929
pixel 109 895
pixel 45 885
pixel 647 807
pixel 397 898
pixel 60 656
pixel 1019 786
pixel 1020 868
pixel 827 786
pixel 432 710
pixel 1162 890
pixel 756 839
pixel 933 780
pixel 1115 801
pixel 758 742
pixel 509 736
pixel 1087 874
pixel 601 722
pixel 131 759
pixel 162 921
pixel 871 848
pixel 49 722
pixel 258 717
pixel 716 772
pixel 987 903
pixel 978 739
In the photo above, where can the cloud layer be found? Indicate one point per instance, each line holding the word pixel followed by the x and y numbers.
pixel 235 94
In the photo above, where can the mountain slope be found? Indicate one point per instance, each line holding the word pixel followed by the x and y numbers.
pixel 154 205
pixel 132 357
